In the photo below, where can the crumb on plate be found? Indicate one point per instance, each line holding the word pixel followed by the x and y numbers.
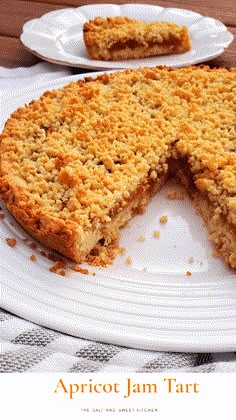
pixel 128 261
pixel 163 219
pixel 56 268
pixel 141 239
pixel 11 242
pixel 79 269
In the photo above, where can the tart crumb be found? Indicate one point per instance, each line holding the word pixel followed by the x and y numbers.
pixel 102 256
pixel 190 260
pixel 163 219
pixel 156 234
pixel 33 258
pixel 171 195
pixel 141 239
pixel 11 242
pixel 79 269
pixel 56 268
pixel 175 195
pixel 121 250
pixel 128 261
pixel 188 273
pixel 61 272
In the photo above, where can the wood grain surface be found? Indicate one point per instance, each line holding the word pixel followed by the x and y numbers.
pixel 14 13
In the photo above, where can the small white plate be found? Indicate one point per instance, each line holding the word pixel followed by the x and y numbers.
pixel 58 36
pixel 151 304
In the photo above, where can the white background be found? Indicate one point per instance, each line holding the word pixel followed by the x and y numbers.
pixel 32 396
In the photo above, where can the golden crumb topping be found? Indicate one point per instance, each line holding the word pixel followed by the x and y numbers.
pixel 82 149
pixel 121 29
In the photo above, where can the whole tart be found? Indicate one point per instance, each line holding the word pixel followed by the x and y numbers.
pixel 80 161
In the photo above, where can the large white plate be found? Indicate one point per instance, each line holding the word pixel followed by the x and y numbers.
pixel 58 36
pixel 151 304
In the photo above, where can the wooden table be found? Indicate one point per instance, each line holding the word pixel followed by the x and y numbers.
pixel 14 13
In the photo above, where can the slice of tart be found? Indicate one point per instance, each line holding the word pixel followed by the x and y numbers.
pixel 121 38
